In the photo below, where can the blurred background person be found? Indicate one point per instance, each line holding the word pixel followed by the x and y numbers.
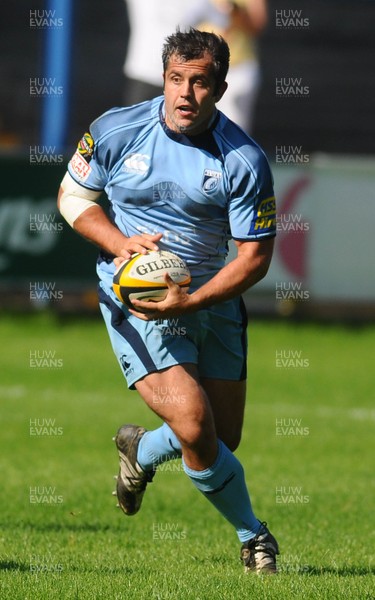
pixel 150 22
pixel 240 22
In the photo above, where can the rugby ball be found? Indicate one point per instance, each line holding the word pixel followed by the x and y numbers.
pixel 142 276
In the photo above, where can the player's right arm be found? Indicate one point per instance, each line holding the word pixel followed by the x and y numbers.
pixel 77 205
pixel 83 184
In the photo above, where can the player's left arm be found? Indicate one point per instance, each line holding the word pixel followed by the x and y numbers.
pixel 249 267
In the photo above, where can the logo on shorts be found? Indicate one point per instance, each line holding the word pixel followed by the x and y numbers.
pixel 126 366
pixel 211 180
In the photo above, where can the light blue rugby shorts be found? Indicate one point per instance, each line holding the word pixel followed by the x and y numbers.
pixel 214 339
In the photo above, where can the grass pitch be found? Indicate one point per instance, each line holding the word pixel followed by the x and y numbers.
pixel 307 450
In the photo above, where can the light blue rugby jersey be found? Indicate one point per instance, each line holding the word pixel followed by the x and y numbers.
pixel 199 191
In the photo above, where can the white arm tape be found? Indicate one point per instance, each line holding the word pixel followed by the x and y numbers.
pixel 75 199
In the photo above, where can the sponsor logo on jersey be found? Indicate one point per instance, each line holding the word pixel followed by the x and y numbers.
pixel 211 180
pixel 86 146
pixel 265 216
pixel 80 166
pixel 136 163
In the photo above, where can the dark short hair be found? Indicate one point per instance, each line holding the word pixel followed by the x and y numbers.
pixel 194 44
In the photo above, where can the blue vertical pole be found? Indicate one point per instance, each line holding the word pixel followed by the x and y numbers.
pixel 56 73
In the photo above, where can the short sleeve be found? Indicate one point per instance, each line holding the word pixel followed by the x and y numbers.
pixel 85 167
pixel 252 204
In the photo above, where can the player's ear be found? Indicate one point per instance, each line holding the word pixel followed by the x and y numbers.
pixel 221 91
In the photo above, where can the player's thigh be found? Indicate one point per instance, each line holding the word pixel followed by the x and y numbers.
pixel 176 396
pixel 227 400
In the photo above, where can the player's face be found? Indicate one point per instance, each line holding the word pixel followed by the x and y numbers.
pixel 190 95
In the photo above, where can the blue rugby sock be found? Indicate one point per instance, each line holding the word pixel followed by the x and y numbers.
pixel 157 446
pixel 224 486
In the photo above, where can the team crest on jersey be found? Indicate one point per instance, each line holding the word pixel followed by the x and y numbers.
pixel 136 163
pixel 86 146
pixel 211 180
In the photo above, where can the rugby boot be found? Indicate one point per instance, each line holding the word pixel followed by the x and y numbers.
pixel 259 554
pixel 132 480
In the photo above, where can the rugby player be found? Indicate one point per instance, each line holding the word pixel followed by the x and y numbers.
pixel 180 176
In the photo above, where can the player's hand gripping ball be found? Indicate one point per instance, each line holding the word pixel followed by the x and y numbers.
pixel 142 276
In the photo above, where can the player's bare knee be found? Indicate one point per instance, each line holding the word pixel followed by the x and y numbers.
pixel 198 434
